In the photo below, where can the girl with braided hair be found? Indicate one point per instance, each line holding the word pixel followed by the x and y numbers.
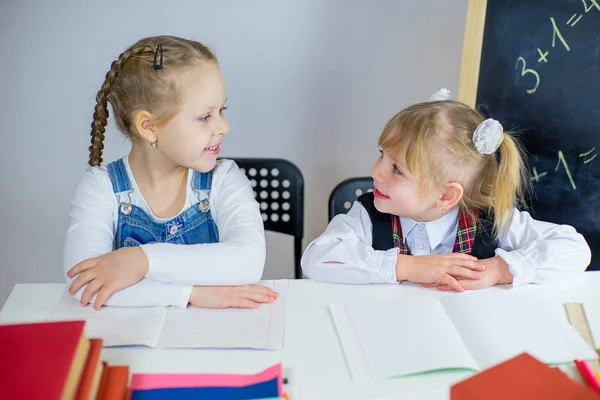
pixel 168 224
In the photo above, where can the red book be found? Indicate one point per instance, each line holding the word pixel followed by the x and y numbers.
pixel 103 378
pixel 115 382
pixel 42 360
pixel 90 377
pixel 521 378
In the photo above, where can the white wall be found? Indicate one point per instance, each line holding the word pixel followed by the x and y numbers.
pixel 311 81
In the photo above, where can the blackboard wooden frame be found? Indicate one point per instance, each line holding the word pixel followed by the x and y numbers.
pixel 471 55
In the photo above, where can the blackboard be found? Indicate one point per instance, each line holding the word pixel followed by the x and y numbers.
pixel 539 75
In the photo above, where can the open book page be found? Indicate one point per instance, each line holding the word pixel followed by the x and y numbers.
pixel 173 327
pixel 388 340
pixel 260 328
pixel 496 326
pixel 117 326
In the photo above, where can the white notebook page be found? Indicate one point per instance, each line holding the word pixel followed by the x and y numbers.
pixel 500 325
pixel 473 330
pixel 261 328
pixel 384 341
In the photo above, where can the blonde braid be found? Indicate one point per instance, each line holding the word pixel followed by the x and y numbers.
pixel 101 109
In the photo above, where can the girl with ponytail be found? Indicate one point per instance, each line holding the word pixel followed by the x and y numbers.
pixel 443 213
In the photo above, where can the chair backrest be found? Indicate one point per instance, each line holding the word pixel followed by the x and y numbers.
pixel 279 189
pixel 346 192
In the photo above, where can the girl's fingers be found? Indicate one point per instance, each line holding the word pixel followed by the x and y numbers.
pixel 453 283
pixel 81 266
pixel 466 284
pixel 256 296
pixel 459 271
pixel 103 294
pixel 471 285
pixel 80 281
pixel 263 289
pixel 473 265
pixel 462 256
pixel 91 289
pixel 240 302
pixel 466 263
pixel 430 285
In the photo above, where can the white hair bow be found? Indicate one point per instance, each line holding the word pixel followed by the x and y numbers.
pixel 441 95
pixel 488 136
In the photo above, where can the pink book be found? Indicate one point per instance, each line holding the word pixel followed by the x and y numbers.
pixel 164 381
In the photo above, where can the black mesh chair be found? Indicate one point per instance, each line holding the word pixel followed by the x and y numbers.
pixel 346 192
pixel 279 189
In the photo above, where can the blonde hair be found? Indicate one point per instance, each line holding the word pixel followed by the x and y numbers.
pixel 133 84
pixel 437 138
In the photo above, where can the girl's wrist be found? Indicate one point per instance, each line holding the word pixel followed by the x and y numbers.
pixel 145 262
pixel 193 296
pixel 143 265
pixel 402 267
pixel 502 271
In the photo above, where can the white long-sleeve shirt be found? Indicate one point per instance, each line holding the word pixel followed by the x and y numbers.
pixel 238 258
pixel 535 251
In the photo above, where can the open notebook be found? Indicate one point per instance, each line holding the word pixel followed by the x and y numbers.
pixel 260 328
pixel 473 331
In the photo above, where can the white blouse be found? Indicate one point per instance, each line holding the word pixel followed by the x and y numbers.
pixel 238 258
pixel 535 251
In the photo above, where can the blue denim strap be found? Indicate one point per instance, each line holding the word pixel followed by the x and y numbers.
pixel 202 180
pixel 118 176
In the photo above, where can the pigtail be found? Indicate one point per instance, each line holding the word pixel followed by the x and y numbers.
pixel 507 182
pixel 101 109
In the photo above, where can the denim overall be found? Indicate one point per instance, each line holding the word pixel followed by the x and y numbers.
pixel 134 227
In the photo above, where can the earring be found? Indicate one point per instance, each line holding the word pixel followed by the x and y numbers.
pixel 154 144
pixel 441 211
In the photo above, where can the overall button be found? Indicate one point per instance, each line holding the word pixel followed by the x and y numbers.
pixel 126 208
pixel 173 229
pixel 204 206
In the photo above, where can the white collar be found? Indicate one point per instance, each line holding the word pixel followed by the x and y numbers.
pixel 437 230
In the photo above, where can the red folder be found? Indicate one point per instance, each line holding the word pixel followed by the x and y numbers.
pixel 521 378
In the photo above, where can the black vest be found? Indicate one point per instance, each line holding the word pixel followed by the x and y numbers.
pixel 484 245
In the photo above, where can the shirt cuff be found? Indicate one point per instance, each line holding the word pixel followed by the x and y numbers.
pixel 520 264
pixel 184 297
pixel 153 252
pixel 383 266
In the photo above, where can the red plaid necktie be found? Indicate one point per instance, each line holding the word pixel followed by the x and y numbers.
pixel 465 234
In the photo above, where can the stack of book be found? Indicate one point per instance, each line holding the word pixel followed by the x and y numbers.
pixel 56 360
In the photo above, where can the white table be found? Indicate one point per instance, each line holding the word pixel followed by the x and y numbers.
pixel 312 352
